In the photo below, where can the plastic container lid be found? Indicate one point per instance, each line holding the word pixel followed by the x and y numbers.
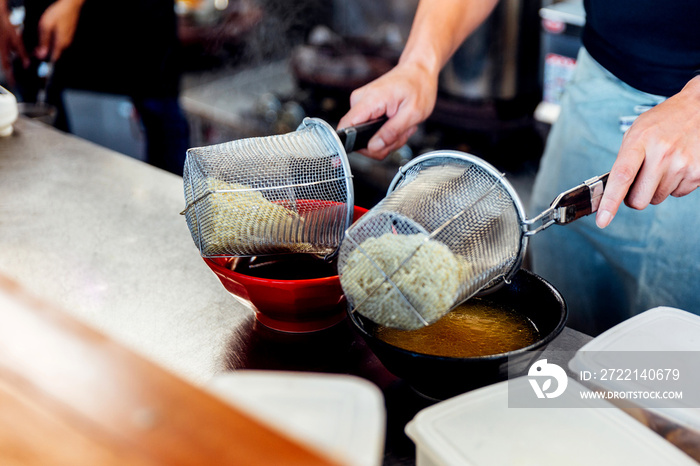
pixel 340 415
pixel 479 429
pixel 658 329
pixel 8 112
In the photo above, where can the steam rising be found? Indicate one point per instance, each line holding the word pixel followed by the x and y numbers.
pixel 284 24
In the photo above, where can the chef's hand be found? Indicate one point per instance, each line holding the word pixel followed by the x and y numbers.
pixel 57 28
pixel 10 44
pixel 659 156
pixel 406 95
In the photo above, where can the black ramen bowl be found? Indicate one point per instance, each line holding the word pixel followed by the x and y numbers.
pixel 440 377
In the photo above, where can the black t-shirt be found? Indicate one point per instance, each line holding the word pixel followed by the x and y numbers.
pixel 124 47
pixel 652 45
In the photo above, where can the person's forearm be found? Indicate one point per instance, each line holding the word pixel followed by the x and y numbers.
pixel 440 27
pixel 77 4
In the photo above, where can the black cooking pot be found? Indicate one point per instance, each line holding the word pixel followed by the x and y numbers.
pixel 440 377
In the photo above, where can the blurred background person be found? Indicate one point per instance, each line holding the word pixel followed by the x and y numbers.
pixel 127 48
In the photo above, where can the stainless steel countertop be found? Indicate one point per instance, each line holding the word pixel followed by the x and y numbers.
pixel 100 235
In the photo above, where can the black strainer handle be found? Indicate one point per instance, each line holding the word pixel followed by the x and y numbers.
pixel 570 205
pixel 357 137
pixel 582 200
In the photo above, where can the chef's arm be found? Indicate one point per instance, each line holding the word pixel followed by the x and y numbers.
pixel 57 28
pixel 659 156
pixel 408 92
pixel 10 43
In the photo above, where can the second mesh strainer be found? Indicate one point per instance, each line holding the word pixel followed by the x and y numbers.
pixel 450 227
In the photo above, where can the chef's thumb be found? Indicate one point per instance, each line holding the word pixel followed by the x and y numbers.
pixel 376 144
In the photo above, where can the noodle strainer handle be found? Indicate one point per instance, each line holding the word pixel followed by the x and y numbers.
pixel 357 137
pixel 570 205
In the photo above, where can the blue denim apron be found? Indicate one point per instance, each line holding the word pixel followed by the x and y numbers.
pixel 643 259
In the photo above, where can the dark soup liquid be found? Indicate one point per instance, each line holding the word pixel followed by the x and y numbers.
pixel 475 328
pixel 284 267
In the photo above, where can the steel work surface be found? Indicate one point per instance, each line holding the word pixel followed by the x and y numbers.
pixel 99 234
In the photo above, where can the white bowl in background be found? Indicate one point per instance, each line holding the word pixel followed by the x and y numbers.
pixel 8 112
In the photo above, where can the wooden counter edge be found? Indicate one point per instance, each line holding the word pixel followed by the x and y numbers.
pixel 57 371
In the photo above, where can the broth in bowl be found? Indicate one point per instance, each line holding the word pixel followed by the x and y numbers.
pixel 441 377
pixel 285 267
pixel 474 328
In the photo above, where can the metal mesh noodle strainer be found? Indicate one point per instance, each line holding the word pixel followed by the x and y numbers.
pixel 275 194
pixel 450 227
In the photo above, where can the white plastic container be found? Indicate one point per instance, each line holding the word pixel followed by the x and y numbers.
pixel 657 330
pixel 342 416
pixel 479 429
pixel 8 112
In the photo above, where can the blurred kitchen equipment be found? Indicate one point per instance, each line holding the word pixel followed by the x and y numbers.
pixel 37 111
pixel 331 62
pixel 489 89
pixel 456 200
pixel 372 20
pixel 8 112
pixel 45 73
pixel 440 377
pixel 562 27
pixel 499 60
pixel 41 110
pixel 275 194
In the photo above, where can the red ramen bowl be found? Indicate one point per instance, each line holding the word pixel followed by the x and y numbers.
pixel 280 301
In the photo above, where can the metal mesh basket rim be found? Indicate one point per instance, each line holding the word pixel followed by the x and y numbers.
pixel 343 155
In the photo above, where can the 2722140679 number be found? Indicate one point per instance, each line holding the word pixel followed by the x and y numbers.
pixel 611 374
